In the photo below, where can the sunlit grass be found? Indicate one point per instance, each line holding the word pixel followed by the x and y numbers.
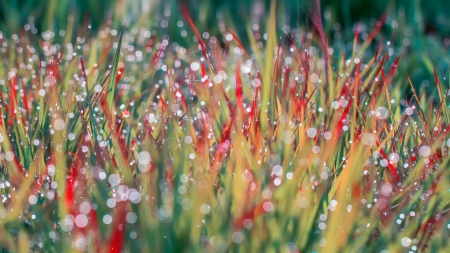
pixel 128 141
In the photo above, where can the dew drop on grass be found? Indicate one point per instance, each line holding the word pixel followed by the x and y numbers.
pixel 71 136
pixel 369 139
pixel 274 159
pixel 229 37
pixel 51 169
pixel 248 223
pixel 289 175
pixel 311 132
pixel 59 124
pixel 205 209
pixel 409 111
pixel 386 189
pixel 277 181
pixel 1 138
pixel 406 241
pixel 50 80
pixel 50 194
pixel 316 149
pixel 126 114
pixel 327 135
pixel 195 66
pixel 302 202
pixel 144 157
pixel 268 206
pixel 97 88
pixel 394 157
pixel 188 139
pixel 85 207
pixel 182 190
pixel 343 103
pixel 81 220
pixel 314 78
pixel 322 226
pixel 80 243
pixel 114 179
pixel 237 237
pixel 425 151
pixel 67 223
pixel 382 112
pixel 256 83
pixel 107 219
pixel 131 217
pixel 266 194
pixel 134 196
pixel 335 105
pixel 32 199
pixel 218 78
pixel 9 156
pixel 288 137
pixel 384 162
pixel 376 154
pixel 102 175
pixel 111 203
pixel 277 170
pixel 184 178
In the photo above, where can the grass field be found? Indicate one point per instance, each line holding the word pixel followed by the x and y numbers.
pixel 166 133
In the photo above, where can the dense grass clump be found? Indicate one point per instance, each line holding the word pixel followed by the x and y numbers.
pixel 124 140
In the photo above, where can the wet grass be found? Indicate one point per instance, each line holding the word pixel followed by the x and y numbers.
pixel 124 140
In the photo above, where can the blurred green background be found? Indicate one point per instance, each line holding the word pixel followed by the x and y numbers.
pixel 431 15
pixel 422 32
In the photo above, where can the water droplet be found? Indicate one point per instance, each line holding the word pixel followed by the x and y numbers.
pixel 50 80
pixel 256 83
pixel 268 206
pixel 311 132
pixel 144 157
pixel 107 219
pixel 425 151
pixel 126 114
pixel 369 139
pixel 81 220
pixel 302 202
pixel 409 111
pixel 205 209
pixel 59 124
pixel 131 217
pixel 382 112
pixel 114 179
pixel 406 241
pixel 237 237
pixel 32 199
pixel 288 137
pixel 195 66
